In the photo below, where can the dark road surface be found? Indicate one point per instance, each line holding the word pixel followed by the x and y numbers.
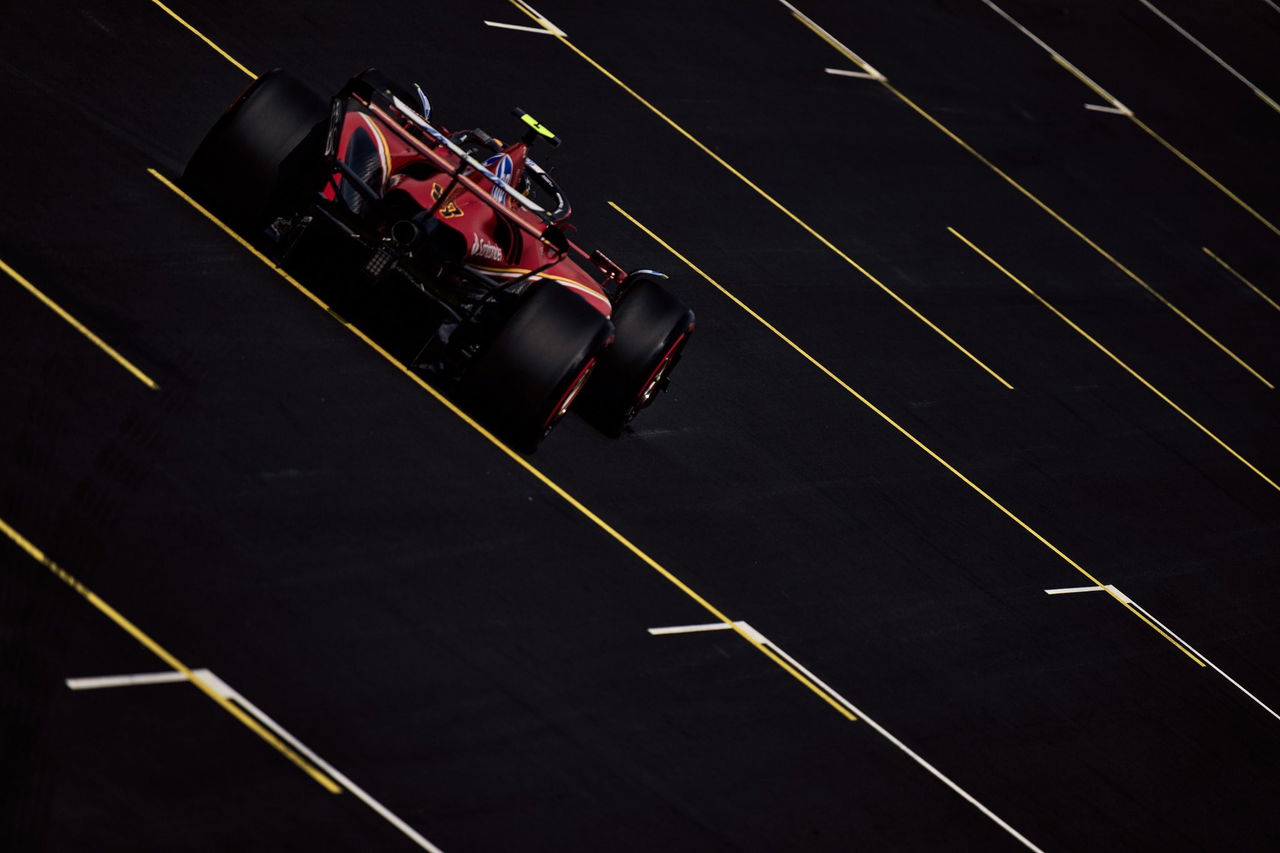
pixel 465 652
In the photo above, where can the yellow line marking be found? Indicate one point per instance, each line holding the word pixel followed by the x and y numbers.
pixel 1250 284
pixel 825 36
pixel 1076 231
pixel 1202 173
pixel 1115 358
pixel 777 204
pixel 1218 59
pixel 1263 96
pixel 156 649
pixel 1098 90
pixel 204 38
pixel 901 430
pixel 1125 111
pixel 1061 221
pixel 81 328
pixel 511 454
pixel 835 43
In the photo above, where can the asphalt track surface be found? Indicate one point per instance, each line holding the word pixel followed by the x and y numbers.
pixel 291 512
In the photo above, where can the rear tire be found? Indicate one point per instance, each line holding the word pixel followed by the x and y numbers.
pixel 263 155
pixel 652 330
pixel 524 381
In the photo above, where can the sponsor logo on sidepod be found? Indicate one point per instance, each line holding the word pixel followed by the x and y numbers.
pixel 482 248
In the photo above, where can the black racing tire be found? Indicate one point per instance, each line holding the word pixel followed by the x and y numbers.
pixel 262 157
pixel 652 329
pixel 525 379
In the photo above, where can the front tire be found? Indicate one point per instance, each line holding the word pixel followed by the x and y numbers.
pixel 263 155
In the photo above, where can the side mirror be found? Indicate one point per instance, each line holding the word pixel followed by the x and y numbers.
pixel 557 238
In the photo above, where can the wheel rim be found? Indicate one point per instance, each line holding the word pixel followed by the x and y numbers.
pixel 659 373
pixel 570 394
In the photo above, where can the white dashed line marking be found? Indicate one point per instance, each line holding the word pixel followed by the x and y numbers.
pixel 1218 59
pixel 843 72
pixel 691 629
pixel 520 27
pixel 1067 590
pixel 102 681
pixel 225 690
pixel 1061 60
pixel 756 637
pixel 540 18
pixel 1129 601
pixel 831 40
pixel 1119 111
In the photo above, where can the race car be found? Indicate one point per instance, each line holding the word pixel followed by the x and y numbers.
pixel 365 187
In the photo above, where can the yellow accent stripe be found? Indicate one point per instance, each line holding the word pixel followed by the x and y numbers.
pixel 1028 194
pixel 228 57
pixel 902 430
pixel 81 328
pixel 777 204
pixel 1248 283
pixel 1202 173
pixel 518 271
pixel 586 292
pixel 177 665
pixel 1272 483
pixel 1080 234
pixel 513 455
pixel 515 272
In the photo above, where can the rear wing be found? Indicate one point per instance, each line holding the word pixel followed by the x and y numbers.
pixel 378 96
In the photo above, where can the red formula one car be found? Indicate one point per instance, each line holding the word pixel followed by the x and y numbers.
pixel 366 189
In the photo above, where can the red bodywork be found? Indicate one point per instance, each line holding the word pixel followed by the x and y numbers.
pixel 496 246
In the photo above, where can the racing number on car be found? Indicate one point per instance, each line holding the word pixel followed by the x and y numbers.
pixel 449 210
